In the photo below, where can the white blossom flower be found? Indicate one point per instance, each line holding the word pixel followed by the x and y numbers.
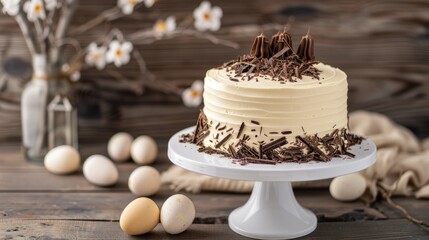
pixel 149 3
pixel 96 56
pixel 193 96
pixel 119 53
pixel 11 7
pixel 35 9
pixel 75 76
pixel 166 27
pixel 51 4
pixel 72 73
pixel 127 6
pixel 207 17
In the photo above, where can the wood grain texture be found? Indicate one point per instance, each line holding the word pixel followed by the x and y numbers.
pixel 381 45
pixel 50 229
pixel 211 207
pixel 35 204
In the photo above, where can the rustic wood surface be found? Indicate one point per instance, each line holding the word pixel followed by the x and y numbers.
pixel 381 45
pixel 35 204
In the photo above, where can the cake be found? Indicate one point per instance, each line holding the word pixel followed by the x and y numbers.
pixel 275 105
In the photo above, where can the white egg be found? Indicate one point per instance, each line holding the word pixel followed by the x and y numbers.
pixel 348 187
pixel 144 150
pixel 177 214
pixel 144 181
pixel 62 160
pixel 139 216
pixel 100 171
pixel 119 146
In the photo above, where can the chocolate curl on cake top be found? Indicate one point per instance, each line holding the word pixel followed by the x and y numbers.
pixel 260 47
pixel 281 45
pixel 306 48
pixel 284 65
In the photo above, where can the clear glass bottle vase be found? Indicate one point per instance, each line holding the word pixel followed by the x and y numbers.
pixel 48 112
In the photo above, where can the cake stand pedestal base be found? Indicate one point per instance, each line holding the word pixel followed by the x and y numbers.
pixel 272 212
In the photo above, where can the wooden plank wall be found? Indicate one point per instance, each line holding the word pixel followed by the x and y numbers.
pixel 383 46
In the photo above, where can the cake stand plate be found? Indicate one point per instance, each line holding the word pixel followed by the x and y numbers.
pixel 272 211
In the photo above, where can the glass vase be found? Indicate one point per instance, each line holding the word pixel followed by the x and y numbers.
pixel 48 112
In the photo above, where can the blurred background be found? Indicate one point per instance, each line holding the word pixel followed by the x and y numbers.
pixel 383 46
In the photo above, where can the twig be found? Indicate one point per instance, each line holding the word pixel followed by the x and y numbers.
pixel 211 38
pixel 28 33
pixel 387 197
pixel 70 41
pixel 64 21
pixel 40 36
pixel 145 33
pixel 164 86
pixel 62 27
pixel 109 14
pixel 148 37
pixel 114 33
pixel 138 89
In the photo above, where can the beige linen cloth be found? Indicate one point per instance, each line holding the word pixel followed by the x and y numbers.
pixel 402 166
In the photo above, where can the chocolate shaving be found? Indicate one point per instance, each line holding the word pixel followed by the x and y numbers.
pixel 221 142
pixel 286 132
pixel 232 151
pixel 314 148
pixel 240 130
pixel 247 151
pixel 254 122
pixel 222 128
pixel 201 136
pixel 349 154
pixel 274 144
pixel 281 45
pixel 258 160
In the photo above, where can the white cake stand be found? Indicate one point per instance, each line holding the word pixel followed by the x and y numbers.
pixel 272 211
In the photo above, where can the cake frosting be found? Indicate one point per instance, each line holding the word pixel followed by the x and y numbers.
pixel 255 112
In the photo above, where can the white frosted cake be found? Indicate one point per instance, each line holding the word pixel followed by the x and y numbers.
pixel 271 107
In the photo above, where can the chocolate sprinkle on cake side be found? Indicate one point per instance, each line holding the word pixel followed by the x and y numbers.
pixel 306 148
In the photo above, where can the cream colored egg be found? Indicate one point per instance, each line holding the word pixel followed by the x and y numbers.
pixel 119 146
pixel 62 160
pixel 177 214
pixel 139 216
pixel 144 181
pixel 144 150
pixel 348 187
pixel 100 171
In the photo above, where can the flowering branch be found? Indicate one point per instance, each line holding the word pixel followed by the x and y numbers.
pixel 28 33
pixel 45 23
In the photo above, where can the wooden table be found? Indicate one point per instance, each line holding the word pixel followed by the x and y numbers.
pixel 35 204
